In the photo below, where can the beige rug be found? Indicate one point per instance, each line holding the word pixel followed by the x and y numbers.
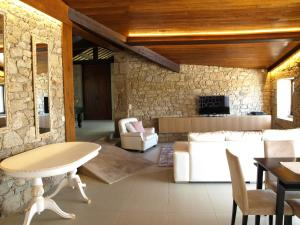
pixel 114 164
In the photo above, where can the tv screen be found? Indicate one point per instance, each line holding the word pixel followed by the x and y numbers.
pixel 214 105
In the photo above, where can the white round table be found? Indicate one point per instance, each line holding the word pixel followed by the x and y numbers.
pixel 46 161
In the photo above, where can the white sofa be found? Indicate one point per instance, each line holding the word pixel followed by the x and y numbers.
pixel 203 157
pixel 136 140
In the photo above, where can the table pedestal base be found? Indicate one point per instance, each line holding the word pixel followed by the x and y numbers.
pixel 72 180
pixel 39 203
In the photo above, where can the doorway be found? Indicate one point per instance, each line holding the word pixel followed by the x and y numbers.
pixel 92 90
pixel 97 91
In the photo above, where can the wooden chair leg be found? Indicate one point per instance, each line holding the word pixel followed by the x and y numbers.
pixel 245 220
pixel 234 206
pixel 270 220
pixel 288 220
pixel 257 219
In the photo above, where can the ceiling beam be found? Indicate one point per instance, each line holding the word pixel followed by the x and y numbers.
pixel 119 40
pixel 77 30
pixel 285 57
pixel 213 39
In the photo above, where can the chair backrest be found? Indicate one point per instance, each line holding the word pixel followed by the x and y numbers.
pixel 239 190
pixel 279 149
pixel 122 122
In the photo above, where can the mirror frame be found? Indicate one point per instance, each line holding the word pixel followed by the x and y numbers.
pixel 6 80
pixel 36 40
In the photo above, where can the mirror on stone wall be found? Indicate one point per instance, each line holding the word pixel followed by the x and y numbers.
pixel 41 86
pixel 3 117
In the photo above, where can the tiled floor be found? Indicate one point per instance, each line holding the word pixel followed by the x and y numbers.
pixel 94 129
pixel 147 198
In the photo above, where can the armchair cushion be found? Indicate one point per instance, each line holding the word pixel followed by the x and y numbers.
pixel 147 136
pixel 130 127
pixel 150 130
pixel 138 125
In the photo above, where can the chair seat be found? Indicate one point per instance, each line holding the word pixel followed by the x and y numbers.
pixel 263 202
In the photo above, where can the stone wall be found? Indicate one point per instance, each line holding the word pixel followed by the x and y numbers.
pixel 21 23
pixel 155 92
pixel 290 68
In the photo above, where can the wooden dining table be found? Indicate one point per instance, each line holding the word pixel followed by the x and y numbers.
pixel 286 180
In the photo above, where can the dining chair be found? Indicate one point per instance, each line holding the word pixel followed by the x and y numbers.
pixel 295 204
pixel 252 202
pixel 279 149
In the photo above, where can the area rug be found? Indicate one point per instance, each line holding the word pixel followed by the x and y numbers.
pixel 114 164
pixel 166 155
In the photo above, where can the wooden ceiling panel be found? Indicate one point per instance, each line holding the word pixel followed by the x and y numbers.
pixel 135 16
pixel 238 33
pixel 244 55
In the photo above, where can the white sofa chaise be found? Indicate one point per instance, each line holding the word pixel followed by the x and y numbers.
pixel 203 157
pixel 136 140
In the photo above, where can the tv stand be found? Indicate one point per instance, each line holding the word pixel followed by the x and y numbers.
pixel 213 123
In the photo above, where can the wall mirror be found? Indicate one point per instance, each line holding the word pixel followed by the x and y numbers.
pixel 3 116
pixel 41 86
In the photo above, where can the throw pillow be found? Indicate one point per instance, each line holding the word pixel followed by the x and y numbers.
pixel 130 127
pixel 138 125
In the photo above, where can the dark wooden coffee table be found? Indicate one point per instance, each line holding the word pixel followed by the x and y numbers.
pixel 286 180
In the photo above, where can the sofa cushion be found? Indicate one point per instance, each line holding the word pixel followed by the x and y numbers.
pixel 281 135
pixel 207 136
pixel 243 136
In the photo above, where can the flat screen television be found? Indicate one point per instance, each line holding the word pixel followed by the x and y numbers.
pixel 212 105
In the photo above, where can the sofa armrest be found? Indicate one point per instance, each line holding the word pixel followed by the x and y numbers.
pixel 150 130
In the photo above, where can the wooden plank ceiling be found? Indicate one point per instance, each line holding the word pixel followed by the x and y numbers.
pixel 234 33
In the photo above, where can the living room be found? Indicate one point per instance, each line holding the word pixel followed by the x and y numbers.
pixel 189 80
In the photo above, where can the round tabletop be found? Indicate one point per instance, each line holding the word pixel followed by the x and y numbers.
pixel 50 160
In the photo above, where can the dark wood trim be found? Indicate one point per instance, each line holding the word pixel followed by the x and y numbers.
pixel 119 40
pixel 94 26
pixel 68 82
pixel 285 57
pixel 214 39
pixel 98 41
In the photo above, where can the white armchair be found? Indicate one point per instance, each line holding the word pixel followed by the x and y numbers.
pixel 136 140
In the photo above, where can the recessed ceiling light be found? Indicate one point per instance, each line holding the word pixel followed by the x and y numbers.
pixel 207 33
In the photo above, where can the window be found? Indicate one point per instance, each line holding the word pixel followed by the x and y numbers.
pixel 285 92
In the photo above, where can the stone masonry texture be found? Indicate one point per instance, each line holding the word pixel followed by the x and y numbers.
pixel 20 26
pixel 156 92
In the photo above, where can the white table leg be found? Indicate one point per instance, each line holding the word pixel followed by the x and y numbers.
pixel 75 180
pixel 39 203
pixel 51 205
pixel 72 180
pixel 61 185
pixel 30 213
pixel 80 186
